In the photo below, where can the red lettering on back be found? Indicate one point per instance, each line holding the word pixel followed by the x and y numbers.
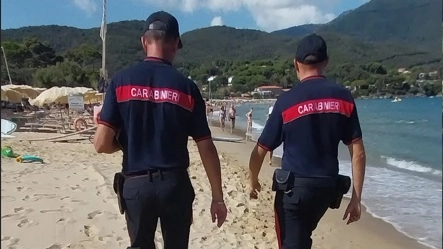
pixel 156 95
pixel 317 106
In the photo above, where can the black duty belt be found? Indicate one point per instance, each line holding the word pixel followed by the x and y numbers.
pixel 315 182
pixel 153 171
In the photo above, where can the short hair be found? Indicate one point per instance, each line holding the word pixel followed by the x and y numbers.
pixel 158 36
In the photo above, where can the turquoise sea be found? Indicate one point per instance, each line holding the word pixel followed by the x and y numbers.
pixel 404 175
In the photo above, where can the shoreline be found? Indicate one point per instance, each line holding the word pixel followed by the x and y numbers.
pixel 369 221
pixel 68 202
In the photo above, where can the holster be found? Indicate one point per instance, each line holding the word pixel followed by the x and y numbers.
pixel 282 180
pixel 119 181
pixel 342 187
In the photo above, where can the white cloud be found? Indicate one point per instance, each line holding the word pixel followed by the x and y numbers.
pixel 217 21
pixel 269 15
pixel 88 6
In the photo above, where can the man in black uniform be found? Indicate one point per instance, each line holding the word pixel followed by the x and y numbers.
pixel 311 119
pixel 149 112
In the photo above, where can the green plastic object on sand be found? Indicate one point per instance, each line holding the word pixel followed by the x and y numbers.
pixel 8 152
pixel 28 159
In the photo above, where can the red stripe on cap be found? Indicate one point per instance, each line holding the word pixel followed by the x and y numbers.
pixel 156 95
pixel 317 106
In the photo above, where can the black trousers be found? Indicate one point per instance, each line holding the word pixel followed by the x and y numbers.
pixel 167 196
pixel 297 214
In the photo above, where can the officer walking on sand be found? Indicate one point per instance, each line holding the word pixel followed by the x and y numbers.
pixel 149 111
pixel 312 118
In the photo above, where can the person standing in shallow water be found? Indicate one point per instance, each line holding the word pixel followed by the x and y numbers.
pixel 249 122
pixel 222 117
pixel 232 114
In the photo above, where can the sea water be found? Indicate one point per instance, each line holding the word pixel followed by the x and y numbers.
pixel 403 184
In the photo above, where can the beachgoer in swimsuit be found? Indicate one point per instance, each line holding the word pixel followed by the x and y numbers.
pixel 249 127
pixel 232 113
pixel 222 117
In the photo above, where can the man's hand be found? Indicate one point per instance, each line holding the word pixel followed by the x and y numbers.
pixel 255 188
pixel 218 212
pixel 353 211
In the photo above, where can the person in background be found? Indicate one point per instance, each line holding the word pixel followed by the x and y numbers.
pixel 311 118
pixel 149 112
pixel 222 117
pixel 232 114
pixel 249 122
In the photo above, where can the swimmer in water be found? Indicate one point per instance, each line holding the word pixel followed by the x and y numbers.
pixel 249 117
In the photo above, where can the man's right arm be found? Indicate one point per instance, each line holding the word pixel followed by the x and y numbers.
pixel 352 137
pixel 201 134
pixel 358 157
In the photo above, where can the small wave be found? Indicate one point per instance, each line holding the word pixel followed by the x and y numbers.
pixel 257 126
pixel 410 165
pixel 411 121
pixel 405 122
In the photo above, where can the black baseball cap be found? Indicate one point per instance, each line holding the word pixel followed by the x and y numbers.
pixel 312 49
pixel 166 22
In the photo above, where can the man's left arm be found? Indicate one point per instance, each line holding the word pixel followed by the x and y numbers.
pixel 109 122
pixel 269 140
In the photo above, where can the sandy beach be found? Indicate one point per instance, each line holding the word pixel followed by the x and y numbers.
pixel 68 202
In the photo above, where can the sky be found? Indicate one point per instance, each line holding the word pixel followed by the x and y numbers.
pixel 266 15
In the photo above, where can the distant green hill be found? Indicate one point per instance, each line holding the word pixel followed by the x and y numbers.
pixel 413 22
pixel 300 30
pixel 214 43
pixel 366 45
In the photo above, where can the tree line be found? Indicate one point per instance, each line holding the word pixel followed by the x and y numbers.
pixel 36 63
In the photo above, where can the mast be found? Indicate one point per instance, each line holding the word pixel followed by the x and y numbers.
pixel 7 67
pixel 103 31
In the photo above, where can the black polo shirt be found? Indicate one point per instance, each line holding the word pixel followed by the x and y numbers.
pixel 154 108
pixel 311 119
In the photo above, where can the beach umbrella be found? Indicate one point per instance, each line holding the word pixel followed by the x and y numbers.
pixel 4 98
pixel 24 89
pixel 58 95
pixel 13 95
pixel 93 97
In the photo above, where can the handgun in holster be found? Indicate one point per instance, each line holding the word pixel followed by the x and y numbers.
pixel 342 187
pixel 119 181
pixel 282 180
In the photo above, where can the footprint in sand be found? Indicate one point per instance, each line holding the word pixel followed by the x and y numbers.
pixel 9 216
pixel 19 209
pixel 75 187
pixel 90 231
pixel 26 222
pixel 50 211
pixel 12 242
pixel 4 238
pixel 64 221
pixel 55 246
pixel 8 198
pixel 80 202
pixel 93 214
pixel 48 196
pixel 19 189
